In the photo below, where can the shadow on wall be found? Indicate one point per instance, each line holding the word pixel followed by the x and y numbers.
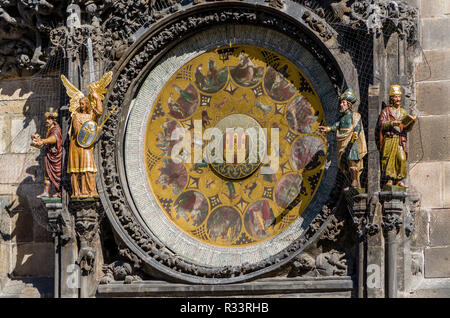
pixel 23 103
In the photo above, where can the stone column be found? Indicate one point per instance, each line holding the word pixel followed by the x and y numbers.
pixel 393 206
pixel 359 207
pixel 65 248
pixel 88 213
pixel 360 213
pixel 374 260
pixel 407 270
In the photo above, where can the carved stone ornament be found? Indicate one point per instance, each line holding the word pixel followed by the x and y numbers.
pixel 332 263
pixel 358 206
pixel 317 25
pixel 378 16
pixel 393 207
pixel 33 31
pixel 333 229
pixel 87 220
pixel 119 271
pixel 392 222
pixel 24 27
pixel 57 225
pixel 279 4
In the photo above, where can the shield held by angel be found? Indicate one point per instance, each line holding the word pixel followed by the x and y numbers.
pixel 83 130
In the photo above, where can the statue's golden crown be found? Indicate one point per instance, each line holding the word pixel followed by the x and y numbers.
pixel 395 90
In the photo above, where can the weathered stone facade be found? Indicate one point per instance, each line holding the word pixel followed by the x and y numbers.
pixel 25 243
pixel 423 252
pixel 429 156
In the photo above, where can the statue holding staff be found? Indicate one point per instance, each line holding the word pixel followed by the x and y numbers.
pixel 351 141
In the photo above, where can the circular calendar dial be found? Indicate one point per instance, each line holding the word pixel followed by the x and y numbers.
pixel 246 198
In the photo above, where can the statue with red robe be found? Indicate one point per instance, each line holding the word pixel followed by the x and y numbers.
pixel 52 144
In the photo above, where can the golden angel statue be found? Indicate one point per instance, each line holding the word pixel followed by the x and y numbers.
pixel 83 130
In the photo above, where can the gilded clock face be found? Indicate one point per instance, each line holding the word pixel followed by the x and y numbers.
pixel 263 166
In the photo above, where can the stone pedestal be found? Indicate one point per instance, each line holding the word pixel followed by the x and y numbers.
pixel 87 214
pixel 358 204
pixel 359 207
pixel 393 206
pixel 61 226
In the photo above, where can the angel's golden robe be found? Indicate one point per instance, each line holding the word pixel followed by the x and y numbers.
pixel 81 163
pixel 80 159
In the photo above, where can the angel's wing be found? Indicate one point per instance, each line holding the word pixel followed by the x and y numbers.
pixel 100 86
pixel 74 93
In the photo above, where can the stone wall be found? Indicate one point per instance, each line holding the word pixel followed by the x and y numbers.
pixel 430 152
pixel 26 247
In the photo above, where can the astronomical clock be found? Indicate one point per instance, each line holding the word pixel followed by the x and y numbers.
pixel 215 163
pixel 216 169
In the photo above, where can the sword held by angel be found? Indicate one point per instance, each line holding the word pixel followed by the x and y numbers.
pixel 83 131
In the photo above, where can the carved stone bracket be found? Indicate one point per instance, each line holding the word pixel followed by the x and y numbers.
pixel 54 214
pixel 398 213
pixel 87 220
pixel 60 224
pixel 393 207
pixel 57 225
pixel 358 206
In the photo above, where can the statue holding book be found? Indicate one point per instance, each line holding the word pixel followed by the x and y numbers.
pixel 351 141
pixel 394 124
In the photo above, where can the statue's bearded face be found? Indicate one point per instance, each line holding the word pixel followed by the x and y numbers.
pixel 49 121
pixel 396 100
pixel 344 106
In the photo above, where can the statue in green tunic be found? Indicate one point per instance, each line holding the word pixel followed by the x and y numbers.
pixel 351 141
pixel 394 123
